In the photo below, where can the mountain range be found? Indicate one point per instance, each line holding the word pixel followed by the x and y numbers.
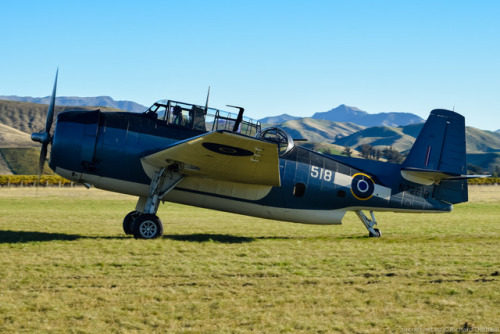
pixel 99 101
pixel 344 113
pixel 19 119
pixel 30 117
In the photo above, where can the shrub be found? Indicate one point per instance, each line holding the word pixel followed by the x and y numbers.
pixel 30 180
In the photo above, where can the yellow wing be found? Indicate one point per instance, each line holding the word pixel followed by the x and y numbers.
pixel 223 156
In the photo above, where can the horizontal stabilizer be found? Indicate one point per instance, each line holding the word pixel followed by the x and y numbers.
pixel 428 176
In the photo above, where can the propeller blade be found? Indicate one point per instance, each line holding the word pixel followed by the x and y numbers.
pixel 50 113
pixel 41 162
pixel 44 137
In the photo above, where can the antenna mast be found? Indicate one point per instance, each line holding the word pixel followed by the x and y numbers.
pixel 206 103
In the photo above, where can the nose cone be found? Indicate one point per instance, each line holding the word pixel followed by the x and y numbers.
pixel 41 137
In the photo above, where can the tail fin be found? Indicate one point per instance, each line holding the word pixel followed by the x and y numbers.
pixel 440 146
pixel 438 156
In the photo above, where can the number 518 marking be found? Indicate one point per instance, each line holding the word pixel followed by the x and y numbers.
pixel 322 174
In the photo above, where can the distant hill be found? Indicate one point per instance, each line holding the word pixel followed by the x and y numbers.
pixel 318 130
pixel 380 137
pixel 482 140
pixel 4 166
pixel 99 101
pixel 10 137
pixel 22 161
pixel 345 113
pixel 277 119
pixel 30 117
pixel 402 138
pixel 327 148
pixel 483 147
pixel 484 160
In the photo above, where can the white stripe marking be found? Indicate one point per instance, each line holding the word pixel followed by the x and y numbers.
pixel 345 180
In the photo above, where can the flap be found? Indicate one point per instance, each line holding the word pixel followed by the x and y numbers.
pixel 224 156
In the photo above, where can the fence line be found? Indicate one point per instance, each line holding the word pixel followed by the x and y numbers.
pixel 58 181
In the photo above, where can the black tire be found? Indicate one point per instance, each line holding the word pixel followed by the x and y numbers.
pixel 377 234
pixel 147 226
pixel 128 222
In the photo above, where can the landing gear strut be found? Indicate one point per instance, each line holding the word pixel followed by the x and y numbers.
pixel 143 223
pixel 369 223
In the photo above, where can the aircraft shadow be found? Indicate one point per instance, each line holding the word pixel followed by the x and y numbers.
pixel 221 238
pixel 8 237
pixel 11 237
pixel 203 237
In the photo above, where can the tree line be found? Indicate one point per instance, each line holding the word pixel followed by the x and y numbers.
pixel 367 151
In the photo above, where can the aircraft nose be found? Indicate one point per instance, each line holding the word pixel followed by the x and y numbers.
pixel 74 140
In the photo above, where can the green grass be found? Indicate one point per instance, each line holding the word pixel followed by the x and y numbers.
pixel 67 267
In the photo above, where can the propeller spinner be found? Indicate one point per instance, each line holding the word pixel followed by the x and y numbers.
pixel 45 137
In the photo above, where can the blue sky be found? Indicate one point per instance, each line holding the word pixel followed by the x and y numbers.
pixel 271 57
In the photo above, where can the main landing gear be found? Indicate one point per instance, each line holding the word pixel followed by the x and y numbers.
pixel 369 223
pixel 143 226
pixel 143 223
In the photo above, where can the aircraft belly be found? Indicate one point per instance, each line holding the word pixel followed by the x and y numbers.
pixel 303 216
pixel 106 183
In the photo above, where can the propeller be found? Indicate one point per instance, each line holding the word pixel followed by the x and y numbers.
pixel 45 137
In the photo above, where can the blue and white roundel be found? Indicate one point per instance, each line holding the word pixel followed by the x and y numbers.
pixel 362 186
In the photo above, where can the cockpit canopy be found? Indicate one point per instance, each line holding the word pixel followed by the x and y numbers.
pixel 279 136
pixel 196 117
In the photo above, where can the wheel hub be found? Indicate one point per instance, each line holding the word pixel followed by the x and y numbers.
pixel 148 229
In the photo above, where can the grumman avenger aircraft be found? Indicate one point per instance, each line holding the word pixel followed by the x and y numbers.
pixel 205 157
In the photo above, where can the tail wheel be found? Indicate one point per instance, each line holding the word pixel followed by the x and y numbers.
pixel 147 226
pixel 377 233
pixel 128 222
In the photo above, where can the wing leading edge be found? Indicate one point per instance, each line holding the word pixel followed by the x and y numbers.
pixel 224 156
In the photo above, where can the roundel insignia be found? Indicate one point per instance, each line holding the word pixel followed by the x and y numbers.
pixel 362 186
pixel 227 150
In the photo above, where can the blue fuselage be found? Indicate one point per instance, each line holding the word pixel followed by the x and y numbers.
pixel 105 149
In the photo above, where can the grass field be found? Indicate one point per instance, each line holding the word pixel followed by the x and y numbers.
pixel 67 267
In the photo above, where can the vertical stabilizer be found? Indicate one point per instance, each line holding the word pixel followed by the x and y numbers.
pixel 438 156
pixel 440 146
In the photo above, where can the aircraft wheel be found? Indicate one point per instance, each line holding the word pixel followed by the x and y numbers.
pixel 128 222
pixel 377 233
pixel 147 226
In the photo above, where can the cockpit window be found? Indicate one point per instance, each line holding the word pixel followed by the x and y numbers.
pixel 161 112
pixel 191 116
pixel 182 115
